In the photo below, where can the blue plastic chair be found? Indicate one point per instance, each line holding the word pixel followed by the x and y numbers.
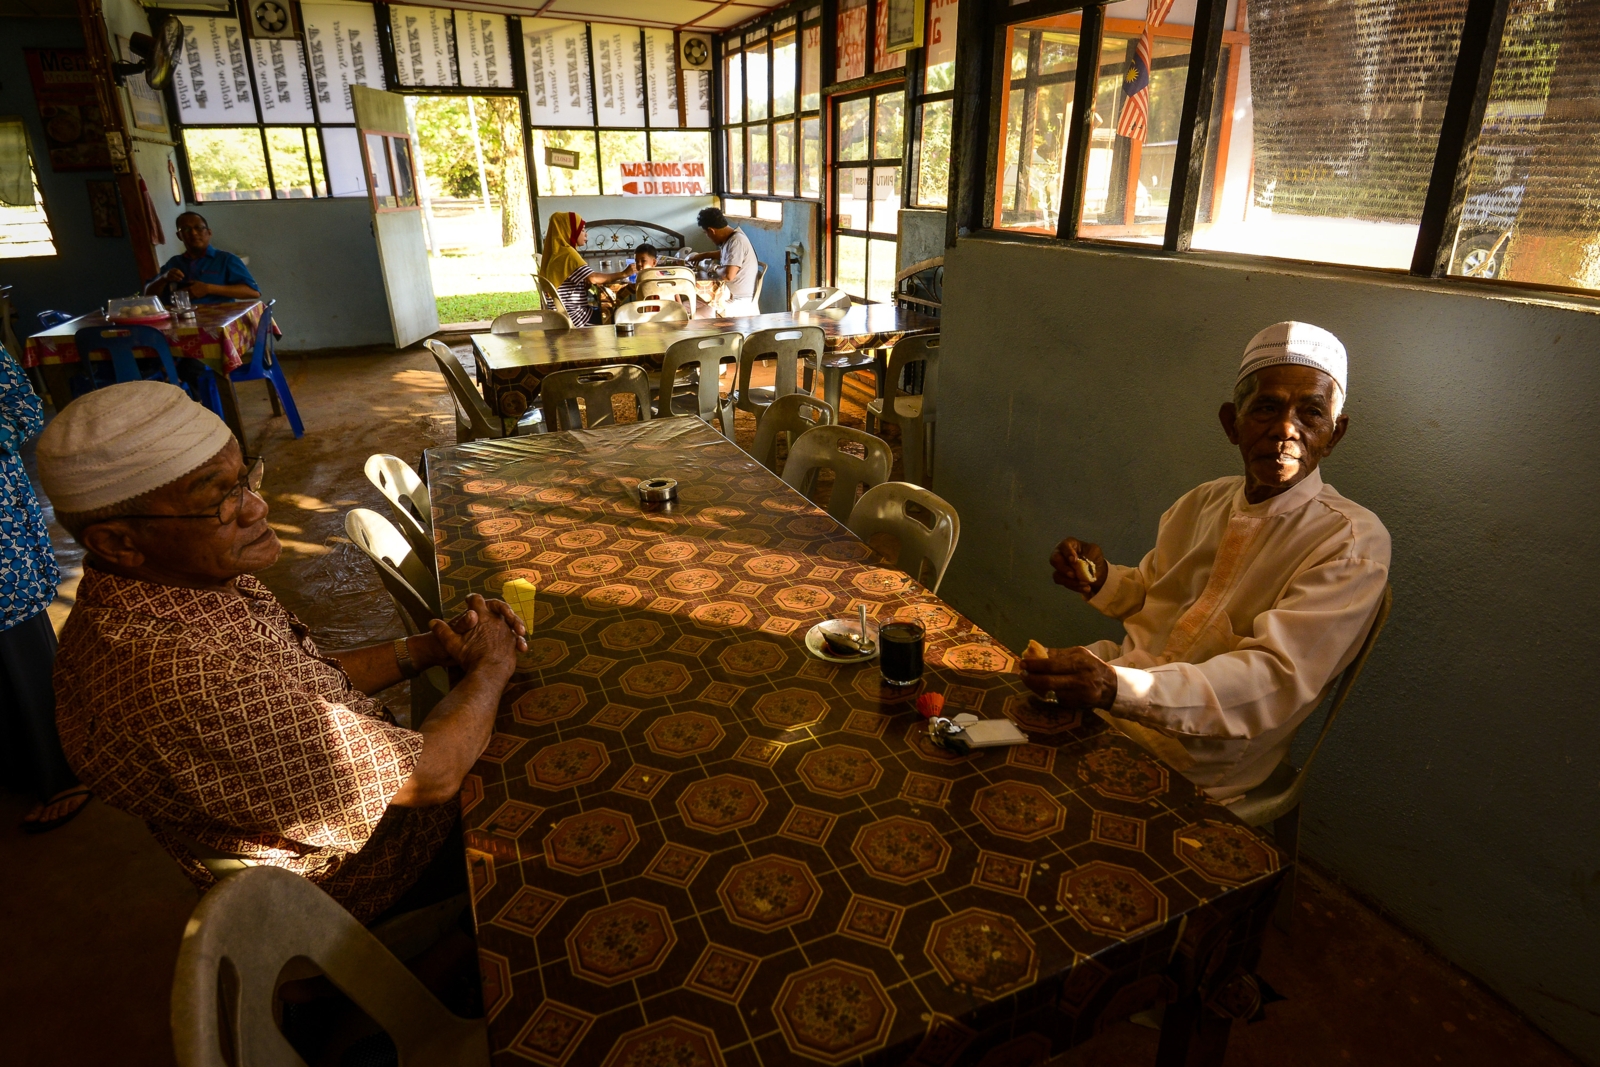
pixel 264 366
pixel 120 341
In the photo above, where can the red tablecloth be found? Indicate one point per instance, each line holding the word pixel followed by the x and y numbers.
pixel 224 332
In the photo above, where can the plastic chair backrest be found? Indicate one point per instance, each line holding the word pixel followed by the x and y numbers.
pixel 921 348
pixel 400 486
pixel 473 415
pixel 252 925
pixel 818 298
pixel 651 311
pixel 520 321
pixel 791 416
pixel 548 295
pixel 409 581
pixel 48 319
pixel 119 342
pixel 262 351
pixel 706 354
pixel 787 345
pixel 560 392
pixel 668 288
pixel 818 448
pixel 926 544
pixel 646 274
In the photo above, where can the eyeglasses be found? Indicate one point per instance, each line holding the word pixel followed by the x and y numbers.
pixel 227 509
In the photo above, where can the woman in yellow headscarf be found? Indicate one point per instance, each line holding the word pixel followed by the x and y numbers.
pixel 564 268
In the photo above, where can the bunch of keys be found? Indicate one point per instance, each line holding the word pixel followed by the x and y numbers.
pixel 966 732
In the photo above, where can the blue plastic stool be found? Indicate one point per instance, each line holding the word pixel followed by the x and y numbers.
pixel 120 341
pixel 264 366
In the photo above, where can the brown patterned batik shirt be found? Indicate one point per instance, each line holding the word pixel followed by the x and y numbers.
pixel 214 718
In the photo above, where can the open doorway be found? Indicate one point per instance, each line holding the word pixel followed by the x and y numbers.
pixel 473 179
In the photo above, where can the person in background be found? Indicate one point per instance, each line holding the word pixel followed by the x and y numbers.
pixel 1259 591
pixel 736 261
pixel 188 696
pixel 30 752
pixel 626 289
pixel 211 275
pixel 564 268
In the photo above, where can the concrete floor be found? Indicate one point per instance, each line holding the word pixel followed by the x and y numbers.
pixel 94 911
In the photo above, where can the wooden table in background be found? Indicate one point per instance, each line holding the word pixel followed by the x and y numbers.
pixel 690 842
pixel 220 335
pixel 511 365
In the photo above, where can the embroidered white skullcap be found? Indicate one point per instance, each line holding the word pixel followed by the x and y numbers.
pixel 123 441
pixel 1298 343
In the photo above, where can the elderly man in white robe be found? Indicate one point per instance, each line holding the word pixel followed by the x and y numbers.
pixel 1259 591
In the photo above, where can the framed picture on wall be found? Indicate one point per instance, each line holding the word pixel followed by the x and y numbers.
pixel 905 25
pixel 103 207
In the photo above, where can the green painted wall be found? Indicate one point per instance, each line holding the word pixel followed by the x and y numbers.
pixel 1460 787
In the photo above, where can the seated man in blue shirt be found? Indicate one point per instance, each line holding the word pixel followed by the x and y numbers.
pixel 211 275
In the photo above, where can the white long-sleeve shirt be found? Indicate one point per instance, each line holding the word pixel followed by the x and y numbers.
pixel 1238 622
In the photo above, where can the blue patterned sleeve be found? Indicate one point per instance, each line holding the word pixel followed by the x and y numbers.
pixel 21 413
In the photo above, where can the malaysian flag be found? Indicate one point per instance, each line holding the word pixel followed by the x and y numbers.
pixel 1136 80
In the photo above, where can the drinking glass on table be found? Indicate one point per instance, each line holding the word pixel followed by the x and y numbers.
pixel 181 304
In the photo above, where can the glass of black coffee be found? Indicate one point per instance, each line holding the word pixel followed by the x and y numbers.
pixel 901 652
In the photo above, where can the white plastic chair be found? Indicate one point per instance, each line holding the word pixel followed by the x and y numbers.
pixel 790 416
pixel 699 360
pixel 789 347
pixel 1277 800
pixel 651 311
pixel 669 289
pixel 520 321
pixel 251 927
pixel 820 448
pixel 646 274
pixel 913 414
pixel 412 586
pixel 925 525
pixel 819 298
pixel 400 486
pixel 475 420
pixel 560 392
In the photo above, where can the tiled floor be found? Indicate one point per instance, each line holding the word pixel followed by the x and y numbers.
pixel 94 911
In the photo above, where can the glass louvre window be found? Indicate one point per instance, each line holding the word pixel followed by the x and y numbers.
pixel 759 179
pixel 930 148
pixel 584 180
pixel 1326 148
pixel 616 148
pixel 783 159
pixel 772 74
pixel 346 172
pixel 25 230
pixel 811 158
pixel 733 88
pixel 1531 213
pixel 735 154
pixel 1126 187
pixel 783 75
pixel 1042 61
pixel 867 182
pixel 296 173
pixel 227 164
pixel 755 80
pixel 932 152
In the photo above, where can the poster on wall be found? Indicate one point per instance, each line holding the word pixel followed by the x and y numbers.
pixel 104 212
pixel 144 103
pixel 283 88
pixel 941 33
pixel 884 58
pixel 481 39
pixel 210 78
pixel 618 74
pixel 852 59
pixel 342 44
pixel 558 72
pixel 661 75
pixel 903 24
pixel 424 45
pixel 69 108
pixel 664 179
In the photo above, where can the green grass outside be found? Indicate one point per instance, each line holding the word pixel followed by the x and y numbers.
pixel 484 305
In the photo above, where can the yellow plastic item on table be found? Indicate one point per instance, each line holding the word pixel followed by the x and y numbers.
pixel 520 594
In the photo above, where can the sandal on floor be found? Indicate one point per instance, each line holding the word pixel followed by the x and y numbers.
pixel 40 826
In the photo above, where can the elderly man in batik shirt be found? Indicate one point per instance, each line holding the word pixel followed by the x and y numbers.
pixel 1260 588
pixel 188 696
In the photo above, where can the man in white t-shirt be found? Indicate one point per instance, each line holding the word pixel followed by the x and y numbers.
pixel 736 261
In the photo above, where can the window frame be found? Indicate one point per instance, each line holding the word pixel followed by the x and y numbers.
pixel 917 100
pixel 760 34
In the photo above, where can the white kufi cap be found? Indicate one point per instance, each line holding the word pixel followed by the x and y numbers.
pixel 123 441
pixel 1298 343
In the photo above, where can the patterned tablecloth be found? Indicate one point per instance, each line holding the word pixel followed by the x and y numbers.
pixel 225 333
pixel 511 365
pixel 692 843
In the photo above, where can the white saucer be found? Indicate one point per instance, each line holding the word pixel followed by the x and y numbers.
pixel 819 647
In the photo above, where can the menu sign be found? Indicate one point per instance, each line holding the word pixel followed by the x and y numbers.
pixel 664 179
pixel 210 75
pixel 482 40
pixel 558 72
pixel 424 45
pixel 69 107
pixel 342 42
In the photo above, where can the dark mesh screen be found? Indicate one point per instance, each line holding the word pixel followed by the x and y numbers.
pixel 1349 98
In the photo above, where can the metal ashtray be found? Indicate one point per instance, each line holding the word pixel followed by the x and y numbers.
pixel 658 492
pixel 626 329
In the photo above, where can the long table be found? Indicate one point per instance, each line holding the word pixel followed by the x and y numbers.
pixel 691 842
pixel 511 365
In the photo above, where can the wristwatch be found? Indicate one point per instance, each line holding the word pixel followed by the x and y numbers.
pixel 402 656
